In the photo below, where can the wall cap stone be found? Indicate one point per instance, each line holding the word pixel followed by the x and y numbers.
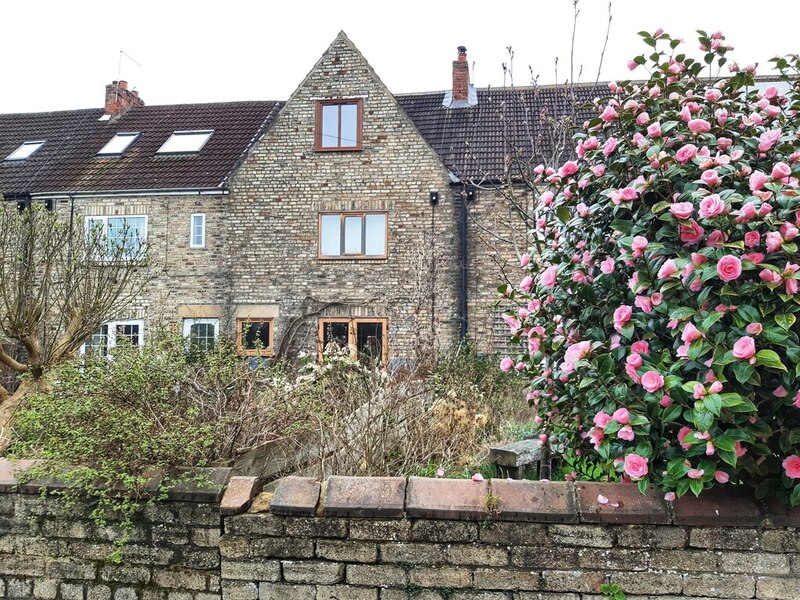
pixel 520 500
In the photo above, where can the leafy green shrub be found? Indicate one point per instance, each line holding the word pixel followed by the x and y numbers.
pixel 659 318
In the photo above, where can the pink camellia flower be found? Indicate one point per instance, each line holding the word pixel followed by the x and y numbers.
pixel 654 129
pixel 621 316
pixel 666 400
pixel 746 213
pixel 524 260
pixel 752 238
pixel 721 476
pixel 635 466
pixel 548 278
pixel 716 387
pixel 614 342
pixel 506 364
pixel 698 391
pixel 729 268
pixel 791 286
pixel 682 433
pixel 754 328
pixel 640 347
pixel 609 146
pixel 568 168
pixel 767 139
pixel 638 246
pixel 712 95
pixel 757 180
pixel 581 209
pixel 632 65
pixel 699 126
pixel 635 360
pixel 739 449
pixel 686 153
pixel 598 170
pixel 716 238
pixel 695 473
pixel 744 348
pixel 711 206
pixel 774 240
pixel 656 298
pixel 780 392
pixel 607 266
pixel 669 496
pixel 602 499
pixel 681 210
pixel 626 433
pixel 609 114
pixel 602 419
pixel 643 303
pixel 791 466
pixel 526 284
pixel 621 415
pixel 797 400
pixel 769 276
pixel 690 333
pixel 710 178
pixel 781 171
pixel 692 233
pixel 652 381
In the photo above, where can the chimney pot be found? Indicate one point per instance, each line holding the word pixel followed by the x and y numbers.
pixel 119 99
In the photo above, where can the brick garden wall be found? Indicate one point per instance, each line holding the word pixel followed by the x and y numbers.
pixel 398 539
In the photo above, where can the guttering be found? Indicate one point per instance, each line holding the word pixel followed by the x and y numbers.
pixel 134 193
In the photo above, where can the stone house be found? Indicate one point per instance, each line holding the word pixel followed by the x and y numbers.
pixel 345 214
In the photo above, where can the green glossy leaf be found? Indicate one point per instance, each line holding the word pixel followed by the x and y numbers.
pixel 769 359
pixel 785 321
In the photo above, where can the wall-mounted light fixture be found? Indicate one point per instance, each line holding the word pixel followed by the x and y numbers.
pixel 434 196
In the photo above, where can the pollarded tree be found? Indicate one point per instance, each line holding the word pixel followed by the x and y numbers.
pixel 58 283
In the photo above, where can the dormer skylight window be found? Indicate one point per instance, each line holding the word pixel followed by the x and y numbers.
pixel 185 142
pixel 118 144
pixel 25 150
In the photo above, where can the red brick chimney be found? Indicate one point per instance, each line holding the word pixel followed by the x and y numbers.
pixel 461 75
pixel 119 99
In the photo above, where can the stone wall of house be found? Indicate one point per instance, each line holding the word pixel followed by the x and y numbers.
pixel 402 539
pixel 283 186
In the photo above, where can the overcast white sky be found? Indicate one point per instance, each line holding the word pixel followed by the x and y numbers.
pixel 59 54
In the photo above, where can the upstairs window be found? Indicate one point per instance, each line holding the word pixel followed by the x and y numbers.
pixel 197 235
pixel 365 338
pixel 352 235
pixel 185 142
pixel 338 125
pixel 113 233
pixel 118 144
pixel 26 150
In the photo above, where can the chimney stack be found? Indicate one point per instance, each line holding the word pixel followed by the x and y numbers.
pixel 461 76
pixel 119 99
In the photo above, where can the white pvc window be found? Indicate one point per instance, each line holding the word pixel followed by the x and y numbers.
pixel 118 144
pixel 201 333
pixel 182 142
pixel 129 233
pixel 112 334
pixel 197 235
pixel 25 150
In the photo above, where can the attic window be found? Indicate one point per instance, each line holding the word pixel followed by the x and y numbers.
pixel 25 150
pixel 338 125
pixel 184 142
pixel 118 144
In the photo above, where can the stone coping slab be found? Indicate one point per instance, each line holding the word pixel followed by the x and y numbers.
pixel 365 497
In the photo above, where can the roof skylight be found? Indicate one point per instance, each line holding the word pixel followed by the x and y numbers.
pixel 118 144
pixel 185 142
pixel 25 150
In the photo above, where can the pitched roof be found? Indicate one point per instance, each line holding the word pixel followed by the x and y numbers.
pixel 68 161
pixel 507 124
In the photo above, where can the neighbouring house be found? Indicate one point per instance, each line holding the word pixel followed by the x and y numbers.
pixel 346 214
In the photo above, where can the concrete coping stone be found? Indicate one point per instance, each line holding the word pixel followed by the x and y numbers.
pixel 239 495
pixel 296 496
pixel 365 497
pixel 204 484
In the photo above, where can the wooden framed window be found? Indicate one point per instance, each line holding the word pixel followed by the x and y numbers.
pixel 366 338
pixel 353 235
pixel 254 337
pixel 338 125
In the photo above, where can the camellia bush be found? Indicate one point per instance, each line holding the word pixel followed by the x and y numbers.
pixel 658 318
